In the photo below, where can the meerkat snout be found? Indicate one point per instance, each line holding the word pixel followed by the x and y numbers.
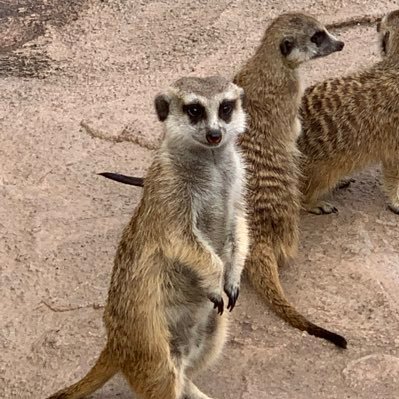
pixel 327 43
pixel 214 136
pixel 340 45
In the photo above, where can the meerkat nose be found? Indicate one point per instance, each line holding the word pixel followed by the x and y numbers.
pixel 214 136
pixel 340 45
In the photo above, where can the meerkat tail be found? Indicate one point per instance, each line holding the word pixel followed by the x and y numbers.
pixel 262 271
pixel 133 181
pixel 101 372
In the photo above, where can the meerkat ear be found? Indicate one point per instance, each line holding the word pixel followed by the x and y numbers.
pixel 286 46
pixel 162 106
pixel 384 43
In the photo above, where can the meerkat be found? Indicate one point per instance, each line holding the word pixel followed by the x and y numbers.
pixel 272 85
pixel 351 122
pixel 186 244
pixel 272 97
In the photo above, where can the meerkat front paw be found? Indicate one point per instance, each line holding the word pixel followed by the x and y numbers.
pixel 214 284
pixel 218 302
pixel 322 208
pixel 232 291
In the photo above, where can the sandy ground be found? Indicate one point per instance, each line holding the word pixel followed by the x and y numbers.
pixel 102 62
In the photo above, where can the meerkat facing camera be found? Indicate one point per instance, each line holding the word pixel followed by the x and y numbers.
pixel 351 122
pixel 185 245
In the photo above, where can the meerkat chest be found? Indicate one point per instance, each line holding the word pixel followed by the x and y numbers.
pixel 213 203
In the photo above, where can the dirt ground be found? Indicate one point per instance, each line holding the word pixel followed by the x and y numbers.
pixel 101 62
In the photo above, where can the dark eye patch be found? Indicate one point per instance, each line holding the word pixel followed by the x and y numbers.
pixel 226 109
pixel 195 112
pixel 318 38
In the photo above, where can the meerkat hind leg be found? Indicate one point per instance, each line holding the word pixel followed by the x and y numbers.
pixel 212 346
pixel 157 381
pixel 324 207
pixel 320 183
pixel 391 184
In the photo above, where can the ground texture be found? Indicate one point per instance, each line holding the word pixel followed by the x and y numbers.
pixel 77 80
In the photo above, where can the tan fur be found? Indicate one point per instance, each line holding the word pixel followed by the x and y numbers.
pixel 273 94
pixel 350 123
pixel 167 267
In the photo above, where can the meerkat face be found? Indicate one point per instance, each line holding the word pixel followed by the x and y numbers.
pixel 304 38
pixel 387 28
pixel 206 112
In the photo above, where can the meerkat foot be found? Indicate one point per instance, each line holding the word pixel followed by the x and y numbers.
pixel 191 391
pixel 345 183
pixel 232 291
pixel 322 208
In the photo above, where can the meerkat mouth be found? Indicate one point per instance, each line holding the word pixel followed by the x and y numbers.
pixel 214 143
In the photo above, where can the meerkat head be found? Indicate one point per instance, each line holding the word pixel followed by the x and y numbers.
pixel 388 29
pixel 299 38
pixel 206 112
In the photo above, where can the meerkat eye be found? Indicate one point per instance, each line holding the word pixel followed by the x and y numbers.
pixel 225 109
pixel 318 38
pixel 378 26
pixel 195 111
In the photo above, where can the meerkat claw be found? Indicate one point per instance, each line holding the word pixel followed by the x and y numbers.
pixel 232 294
pixel 217 303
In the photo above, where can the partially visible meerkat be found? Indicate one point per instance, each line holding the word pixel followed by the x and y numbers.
pixel 273 91
pixel 185 244
pixel 351 122
pixel 272 86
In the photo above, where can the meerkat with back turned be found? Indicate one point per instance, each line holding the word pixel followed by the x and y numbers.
pixel 352 122
pixel 185 244
pixel 272 92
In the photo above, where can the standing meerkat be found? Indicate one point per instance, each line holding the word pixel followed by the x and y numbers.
pixel 185 244
pixel 351 122
pixel 273 91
